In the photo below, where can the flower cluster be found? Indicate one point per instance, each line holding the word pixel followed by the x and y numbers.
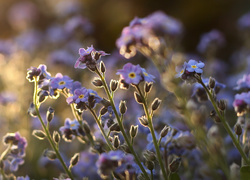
pixel 189 69
pixel 117 162
pixel 145 32
pixel 17 147
pixel 88 58
pixel 133 74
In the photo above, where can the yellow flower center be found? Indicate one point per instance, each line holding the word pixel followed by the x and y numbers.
pixel 72 125
pixel 146 74
pixel 61 83
pixel 194 66
pixel 131 75
pixel 182 71
pixel 92 94
pixel 81 96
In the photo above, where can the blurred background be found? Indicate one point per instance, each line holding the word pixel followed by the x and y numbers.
pixel 50 32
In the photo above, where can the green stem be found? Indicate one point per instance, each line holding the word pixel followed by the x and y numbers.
pixel 121 124
pixel 47 132
pixel 101 128
pixel 224 122
pixel 150 125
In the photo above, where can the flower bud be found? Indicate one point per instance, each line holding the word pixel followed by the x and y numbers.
pixel 42 95
pixel 237 129
pixel 39 134
pixel 32 110
pixel 125 148
pixel 116 142
pixel 50 114
pixel 148 87
pixel 103 110
pixel 123 84
pixel 175 164
pixel 144 121
pixel 221 104
pixel 97 82
pixel 113 85
pixel 211 83
pixel 214 116
pixel 155 104
pixel 56 137
pixel 150 165
pixel 1 164
pixel 115 127
pixel 105 102
pixel 102 67
pixel 123 107
pixel 164 131
pixel 138 98
pixel 51 155
pixel 74 160
pixel 133 131
pixel 149 155
pixel 86 128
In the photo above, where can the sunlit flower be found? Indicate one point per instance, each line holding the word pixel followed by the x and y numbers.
pixel 61 82
pixel 194 66
pixel 130 73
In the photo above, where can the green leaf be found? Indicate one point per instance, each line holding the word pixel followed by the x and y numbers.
pixel 245 173
pixel 174 176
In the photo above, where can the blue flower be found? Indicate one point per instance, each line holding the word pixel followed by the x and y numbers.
pixel 71 129
pixel 147 77
pixel 61 82
pixel 80 95
pixel 243 83
pixel 241 103
pixel 194 66
pixel 23 178
pixel 93 93
pixel 130 73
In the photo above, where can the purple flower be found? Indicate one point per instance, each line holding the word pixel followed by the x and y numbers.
pixel 115 161
pixel 18 146
pixel 23 178
pixel 86 166
pixel 61 82
pixel 93 93
pixel 194 66
pixel 80 95
pixel 71 129
pixel 75 85
pixel 241 103
pixel 244 21
pixel 181 71
pixel 147 77
pixel 212 39
pixel 243 83
pixel 88 58
pixel 131 74
pixel 41 71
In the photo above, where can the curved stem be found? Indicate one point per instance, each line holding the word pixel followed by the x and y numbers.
pixel 225 124
pixel 101 128
pixel 151 127
pixel 48 133
pixel 121 124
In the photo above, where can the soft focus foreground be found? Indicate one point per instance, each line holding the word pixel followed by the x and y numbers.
pixel 148 106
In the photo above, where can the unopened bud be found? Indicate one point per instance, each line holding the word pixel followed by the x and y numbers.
pixel 211 83
pixel 1 165
pixel 74 160
pixel 214 116
pixel 32 110
pixel 123 84
pixel 246 149
pixel 175 164
pixel 56 137
pixel 238 129
pixel 86 128
pixel 155 104
pixel 51 155
pixel 39 134
pixel 148 87
pixel 113 85
pixel 102 67
pixel 103 111
pixel 133 131
pixel 221 104
pixel 150 165
pixel 164 131
pixel 125 148
pixel 144 121
pixel 50 114
pixel 138 98
pixel 123 107
pixel 149 155
pixel 105 102
pixel 97 82
pixel 115 127
pixel 42 95
pixel 116 142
